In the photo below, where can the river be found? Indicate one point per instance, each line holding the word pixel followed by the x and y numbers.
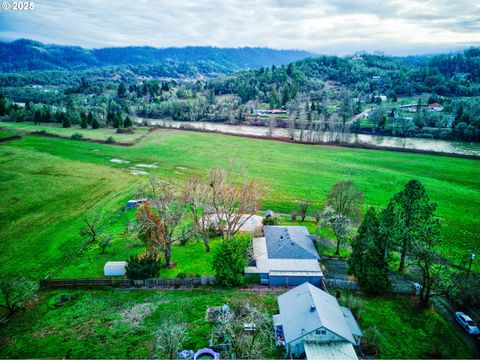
pixel 440 146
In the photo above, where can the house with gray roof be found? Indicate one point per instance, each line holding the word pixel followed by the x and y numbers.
pixel 289 242
pixel 312 324
pixel 286 255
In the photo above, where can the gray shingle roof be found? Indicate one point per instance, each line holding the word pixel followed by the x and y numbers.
pixel 289 242
pixel 351 322
pixel 300 318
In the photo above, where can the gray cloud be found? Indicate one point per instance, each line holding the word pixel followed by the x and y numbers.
pixel 324 26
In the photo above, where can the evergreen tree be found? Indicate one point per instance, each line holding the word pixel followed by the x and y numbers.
pixel 122 90
pixel 111 118
pixel 46 114
pixel 37 117
pixel 117 120
pixel 285 95
pixel 459 116
pixel 95 122
pixel 83 120
pixel 274 102
pixel 3 105
pixel 128 122
pixel 165 86
pixel 414 212
pixel 368 260
pixel 90 118
pixel 66 122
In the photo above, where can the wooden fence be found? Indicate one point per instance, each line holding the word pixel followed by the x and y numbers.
pixel 126 283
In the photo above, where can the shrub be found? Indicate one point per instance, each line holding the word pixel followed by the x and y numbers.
pixel 110 140
pixel 230 261
pixel 369 342
pixel 354 303
pixel 76 136
pixel 128 123
pixel 270 221
pixel 143 267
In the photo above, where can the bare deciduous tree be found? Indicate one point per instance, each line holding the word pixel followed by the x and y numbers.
pixel 15 291
pixel 159 217
pixel 91 230
pixel 303 208
pixel 346 199
pixel 234 203
pixel 196 196
pixel 245 329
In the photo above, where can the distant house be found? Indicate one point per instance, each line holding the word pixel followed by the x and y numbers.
pixel 435 107
pixel 430 107
pixel 250 224
pixel 312 324
pixel 381 97
pixel 271 112
pixel 286 255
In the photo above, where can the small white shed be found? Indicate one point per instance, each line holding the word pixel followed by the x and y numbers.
pixel 114 268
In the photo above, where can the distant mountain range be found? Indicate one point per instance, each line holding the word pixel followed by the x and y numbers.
pixel 26 55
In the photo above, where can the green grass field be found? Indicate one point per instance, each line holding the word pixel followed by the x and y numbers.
pixel 190 259
pixel 47 184
pixel 114 324
pixel 122 324
pixel 404 332
pixel 93 134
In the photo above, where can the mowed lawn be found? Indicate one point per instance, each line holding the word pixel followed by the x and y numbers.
pixel 47 184
pixel 190 259
pixel 122 324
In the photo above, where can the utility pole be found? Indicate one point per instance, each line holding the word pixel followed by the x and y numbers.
pixel 472 257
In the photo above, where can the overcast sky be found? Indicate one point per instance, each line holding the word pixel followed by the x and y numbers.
pixel 322 26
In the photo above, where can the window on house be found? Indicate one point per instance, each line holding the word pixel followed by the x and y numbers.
pixel 321 332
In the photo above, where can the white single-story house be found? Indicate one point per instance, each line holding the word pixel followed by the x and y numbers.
pixel 250 224
pixel 312 324
pixel 286 255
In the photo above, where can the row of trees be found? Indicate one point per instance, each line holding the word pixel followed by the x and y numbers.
pixel 408 225
pixel 216 203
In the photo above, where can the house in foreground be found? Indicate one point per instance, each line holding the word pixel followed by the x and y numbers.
pixel 286 255
pixel 312 324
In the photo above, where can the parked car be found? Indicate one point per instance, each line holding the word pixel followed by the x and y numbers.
pixel 466 323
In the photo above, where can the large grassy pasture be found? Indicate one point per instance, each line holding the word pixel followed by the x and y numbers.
pixel 47 184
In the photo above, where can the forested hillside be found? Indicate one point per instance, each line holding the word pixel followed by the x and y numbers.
pixel 417 96
pixel 22 55
pixel 447 75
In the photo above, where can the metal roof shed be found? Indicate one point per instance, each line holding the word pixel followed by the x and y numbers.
pixel 114 268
